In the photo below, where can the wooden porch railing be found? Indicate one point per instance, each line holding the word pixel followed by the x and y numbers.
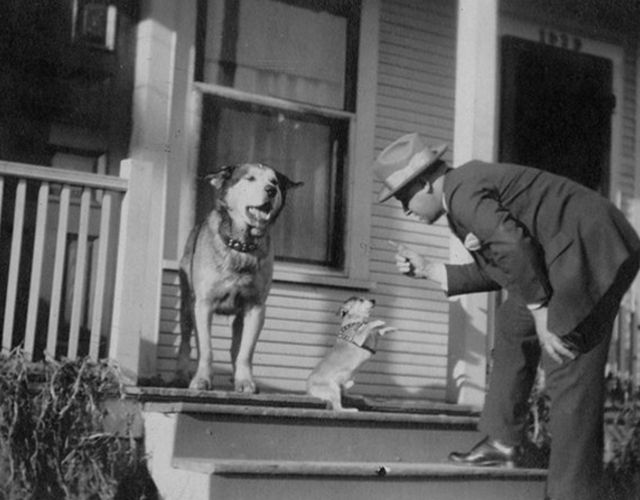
pixel 622 368
pixel 61 249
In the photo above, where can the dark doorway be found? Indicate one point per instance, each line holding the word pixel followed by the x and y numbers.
pixel 556 111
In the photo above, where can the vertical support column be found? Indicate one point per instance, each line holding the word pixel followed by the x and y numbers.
pixel 475 137
pixel 133 305
pixel 163 76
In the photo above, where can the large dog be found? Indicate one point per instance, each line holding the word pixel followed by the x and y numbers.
pixel 227 268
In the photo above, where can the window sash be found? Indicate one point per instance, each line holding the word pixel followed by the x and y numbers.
pixel 331 251
pixel 219 66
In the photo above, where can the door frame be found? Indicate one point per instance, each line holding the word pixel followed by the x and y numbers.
pixel 544 33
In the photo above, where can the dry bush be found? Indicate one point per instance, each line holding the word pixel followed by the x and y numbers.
pixel 52 441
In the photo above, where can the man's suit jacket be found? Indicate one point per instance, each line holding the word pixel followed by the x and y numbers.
pixel 543 238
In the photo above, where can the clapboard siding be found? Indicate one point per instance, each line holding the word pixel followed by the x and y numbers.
pixel 301 326
pixel 415 93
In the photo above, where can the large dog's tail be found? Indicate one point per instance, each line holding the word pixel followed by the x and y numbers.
pixel 187 320
pixel 186 328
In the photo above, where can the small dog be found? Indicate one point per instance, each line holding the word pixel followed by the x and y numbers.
pixel 227 268
pixel 356 343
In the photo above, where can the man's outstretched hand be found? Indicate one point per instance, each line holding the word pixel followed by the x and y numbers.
pixel 411 263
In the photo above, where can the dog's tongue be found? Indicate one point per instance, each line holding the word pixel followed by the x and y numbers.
pixel 256 232
pixel 260 213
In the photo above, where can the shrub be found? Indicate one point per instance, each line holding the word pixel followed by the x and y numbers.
pixel 53 444
pixel 621 434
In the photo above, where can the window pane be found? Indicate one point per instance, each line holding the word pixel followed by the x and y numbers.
pixel 277 49
pixel 303 147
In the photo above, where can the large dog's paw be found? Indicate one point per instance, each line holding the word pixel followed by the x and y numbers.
pixel 202 380
pixel 200 384
pixel 247 386
pixel 243 379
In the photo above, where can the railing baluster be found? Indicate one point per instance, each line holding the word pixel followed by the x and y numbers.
pixel 633 347
pixel 58 270
pixel 80 274
pixel 619 347
pixel 14 265
pixel 2 334
pixel 36 269
pixel 1 198
pixel 101 272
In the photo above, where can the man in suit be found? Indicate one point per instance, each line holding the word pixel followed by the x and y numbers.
pixel 565 255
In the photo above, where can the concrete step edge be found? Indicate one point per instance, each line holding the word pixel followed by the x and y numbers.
pixel 235 467
pixel 294 400
pixel 441 420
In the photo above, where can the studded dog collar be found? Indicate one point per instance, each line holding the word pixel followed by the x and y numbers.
pixel 240 246
pixel 246 246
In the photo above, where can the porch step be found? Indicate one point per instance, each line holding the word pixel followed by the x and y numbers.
pixel 353 469
pixel 211 431
pixel 290 447
pixel 269 480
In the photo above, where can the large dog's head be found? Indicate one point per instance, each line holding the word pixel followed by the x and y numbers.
pixel 251 194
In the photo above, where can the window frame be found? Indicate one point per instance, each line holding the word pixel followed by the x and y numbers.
pixel 358 184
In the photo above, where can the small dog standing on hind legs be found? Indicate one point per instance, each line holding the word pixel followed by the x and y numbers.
pixel 356 343
pixel 227 268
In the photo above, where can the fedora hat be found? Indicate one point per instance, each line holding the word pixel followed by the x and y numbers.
pixel 402 161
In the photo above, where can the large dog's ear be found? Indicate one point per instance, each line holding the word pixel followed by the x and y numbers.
pixel 285 183
pixel 220 176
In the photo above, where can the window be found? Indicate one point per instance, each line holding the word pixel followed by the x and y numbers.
pixel 276 84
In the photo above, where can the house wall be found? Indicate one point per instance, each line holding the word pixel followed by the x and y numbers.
pixel 415 92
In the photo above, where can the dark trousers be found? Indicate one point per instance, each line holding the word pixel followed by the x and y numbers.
pixel 576 389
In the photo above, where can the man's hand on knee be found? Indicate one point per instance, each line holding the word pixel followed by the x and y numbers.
pixel 551 343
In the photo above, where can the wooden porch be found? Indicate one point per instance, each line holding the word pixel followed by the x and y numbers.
pixel 73 245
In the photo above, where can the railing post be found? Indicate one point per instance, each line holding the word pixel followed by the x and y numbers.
pixel 134 306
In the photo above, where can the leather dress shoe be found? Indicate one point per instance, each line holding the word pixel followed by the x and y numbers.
pixel 486 454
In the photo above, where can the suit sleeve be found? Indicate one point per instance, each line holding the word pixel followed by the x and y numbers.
pixel 468 278
pixel 509 254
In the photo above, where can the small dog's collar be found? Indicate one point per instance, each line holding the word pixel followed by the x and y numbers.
pixel 347 333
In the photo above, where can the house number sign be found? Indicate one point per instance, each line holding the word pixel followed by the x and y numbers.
pixel 562 40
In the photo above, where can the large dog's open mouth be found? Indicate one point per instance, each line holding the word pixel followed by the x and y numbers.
pixel 260 214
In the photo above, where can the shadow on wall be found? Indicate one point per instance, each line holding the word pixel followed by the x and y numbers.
pixel 467 352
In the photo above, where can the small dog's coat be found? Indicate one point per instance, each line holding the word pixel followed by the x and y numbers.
pixel 355 344
pixel 227 269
